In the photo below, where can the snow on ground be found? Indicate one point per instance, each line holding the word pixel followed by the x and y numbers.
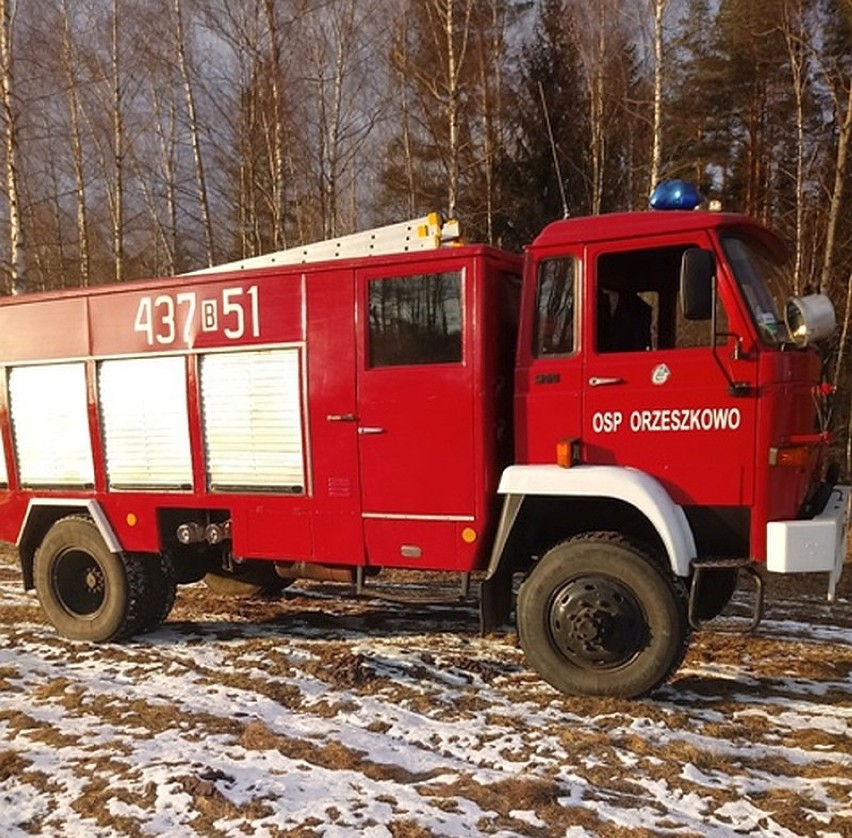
pixel 324 715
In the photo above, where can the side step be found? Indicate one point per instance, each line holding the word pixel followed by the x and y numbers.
pixel 737 625
pixel 361 590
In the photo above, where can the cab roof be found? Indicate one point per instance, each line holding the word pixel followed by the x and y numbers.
pixel 636 225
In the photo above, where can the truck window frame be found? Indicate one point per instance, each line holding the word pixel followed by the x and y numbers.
pixel 406 347
pixel 555 331
pixel 647 279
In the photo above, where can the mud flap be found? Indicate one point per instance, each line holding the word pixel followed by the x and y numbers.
pixel 495 600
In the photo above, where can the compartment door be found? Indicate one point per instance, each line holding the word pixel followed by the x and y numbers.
pixel 416 417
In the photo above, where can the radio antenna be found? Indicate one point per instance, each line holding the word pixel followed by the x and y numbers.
pixel 553 150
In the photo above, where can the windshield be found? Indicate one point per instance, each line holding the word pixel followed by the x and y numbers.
pixel 763 278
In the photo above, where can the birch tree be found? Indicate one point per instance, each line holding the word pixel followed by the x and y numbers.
pixel 164 125
pixel 492 23
pixel 194 130
pixel 400 178
pixel 340 108
pixel 251 101
pixel 835 69
pixel 455 20
pixel 16 282
pixel 608 64
pixel 70 66
pixel 118 143
pixel 794 30
pixel 658 8
pixel 594 43
pixel 435 64
pixel 279 238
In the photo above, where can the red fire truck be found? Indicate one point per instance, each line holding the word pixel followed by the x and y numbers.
pixel 622 418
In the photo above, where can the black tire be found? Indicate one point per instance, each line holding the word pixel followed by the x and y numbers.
pixel 598 616
pixel 87 592
pixel 162 589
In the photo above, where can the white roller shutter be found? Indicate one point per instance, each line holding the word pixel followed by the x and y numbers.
pixel 50 422
pixel 145 422
pixel 253 420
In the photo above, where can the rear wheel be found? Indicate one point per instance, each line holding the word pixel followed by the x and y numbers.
pixel 86 591
pixel 162 590
pixel 598 616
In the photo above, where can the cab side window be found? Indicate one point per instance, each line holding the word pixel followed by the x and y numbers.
pixel 638 305
pixel 553 330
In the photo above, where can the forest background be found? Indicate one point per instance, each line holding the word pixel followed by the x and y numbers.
pixel 150 137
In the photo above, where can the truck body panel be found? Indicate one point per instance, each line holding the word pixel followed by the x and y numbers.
pixel 270 396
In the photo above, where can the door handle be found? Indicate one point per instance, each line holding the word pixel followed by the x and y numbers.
pixel 368 430
pixel 341 417
pixel 594 381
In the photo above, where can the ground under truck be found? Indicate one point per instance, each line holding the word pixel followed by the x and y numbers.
pixel 622 420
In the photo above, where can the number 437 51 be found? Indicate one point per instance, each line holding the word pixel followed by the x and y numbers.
pixel 167 319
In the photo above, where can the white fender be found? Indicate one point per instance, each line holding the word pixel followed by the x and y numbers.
pixel 92 507
pixel 625 484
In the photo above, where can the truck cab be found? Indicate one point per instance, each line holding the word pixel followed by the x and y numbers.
pixel 670 425
pixel 711 407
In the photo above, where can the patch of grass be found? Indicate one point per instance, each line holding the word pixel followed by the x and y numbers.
pixel 407 828
pixel 11 764
pixel 332 755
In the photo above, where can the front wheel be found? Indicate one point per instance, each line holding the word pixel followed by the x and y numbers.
pixel 162 589
pixel 598 616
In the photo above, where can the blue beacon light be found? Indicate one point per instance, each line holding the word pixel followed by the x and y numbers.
pixel 675 195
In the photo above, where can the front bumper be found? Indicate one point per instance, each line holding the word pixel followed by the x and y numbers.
pixel 816 545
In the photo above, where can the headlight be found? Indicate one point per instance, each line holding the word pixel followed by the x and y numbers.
pixel 809 318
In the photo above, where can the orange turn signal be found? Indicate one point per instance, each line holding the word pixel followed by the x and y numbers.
pixel 797 456
pixel 568 452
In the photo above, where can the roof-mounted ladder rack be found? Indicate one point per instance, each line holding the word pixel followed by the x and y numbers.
pixel 427 233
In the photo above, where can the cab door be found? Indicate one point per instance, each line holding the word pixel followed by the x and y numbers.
pixel 660 393
pixel 416 413
pixel 548 379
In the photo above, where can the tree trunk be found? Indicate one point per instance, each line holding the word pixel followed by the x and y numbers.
pixel 70 72
pixel 198 161
pixel 657 139
pixel 836 203
pixel 793 35
pixel 596 74
pixel 402 60
pixel 165 126
pixel 279 238
pixel 455 62
pixel 17 281
pixel 118 150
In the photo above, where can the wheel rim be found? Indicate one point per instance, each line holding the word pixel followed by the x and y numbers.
pixel 597 623
pixel 79 582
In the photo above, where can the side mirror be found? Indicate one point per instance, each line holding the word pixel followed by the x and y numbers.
pixel 697 271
